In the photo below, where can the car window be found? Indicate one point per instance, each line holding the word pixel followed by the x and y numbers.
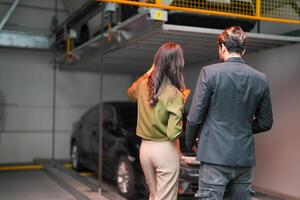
pixel 108 113
pixel 92 116
pixel 128 115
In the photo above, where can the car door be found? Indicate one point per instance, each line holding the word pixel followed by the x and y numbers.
pixel 109 139
pixel 89 129
pixel 83 135
pixel 94 139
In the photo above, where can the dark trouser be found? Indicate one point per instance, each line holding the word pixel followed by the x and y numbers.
pixel 213 179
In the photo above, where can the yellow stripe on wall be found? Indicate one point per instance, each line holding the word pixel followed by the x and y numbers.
pixel 21 167
pixel 87 174
pixel 68 165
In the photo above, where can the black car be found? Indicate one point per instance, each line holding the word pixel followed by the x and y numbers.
pixel 121 149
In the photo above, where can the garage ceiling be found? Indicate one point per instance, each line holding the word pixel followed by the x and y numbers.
pixel 26 24
pixel 136 41
pixel 35 16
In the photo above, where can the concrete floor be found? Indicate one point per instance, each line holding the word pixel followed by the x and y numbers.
pixel 30 185
pixel 112 188
pixel 58 183
pixel 261 196
pixel 49 183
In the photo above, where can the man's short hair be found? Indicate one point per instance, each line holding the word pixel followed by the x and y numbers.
pixel 234 39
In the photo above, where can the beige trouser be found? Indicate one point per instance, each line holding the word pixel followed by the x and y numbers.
pixel 160 162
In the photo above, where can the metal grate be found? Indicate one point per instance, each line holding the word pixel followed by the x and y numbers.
pixel 287 11
pixel 282 9
pixel 245 7
pixel 141 38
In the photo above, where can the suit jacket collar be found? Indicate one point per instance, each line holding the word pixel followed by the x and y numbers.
pixel 235 59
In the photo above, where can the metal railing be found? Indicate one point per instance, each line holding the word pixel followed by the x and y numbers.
pixel 285 11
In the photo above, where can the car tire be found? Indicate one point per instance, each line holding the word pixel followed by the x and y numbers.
pixel 75 159
pixel 125 178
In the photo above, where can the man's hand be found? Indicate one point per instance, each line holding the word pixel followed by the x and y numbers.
pixel 191 133
pixel 195 147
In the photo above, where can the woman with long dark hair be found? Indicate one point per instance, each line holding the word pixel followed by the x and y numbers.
pixel 160 94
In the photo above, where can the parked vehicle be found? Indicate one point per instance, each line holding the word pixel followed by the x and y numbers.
pixel 124 12
pixel 121 149
pixel 87 21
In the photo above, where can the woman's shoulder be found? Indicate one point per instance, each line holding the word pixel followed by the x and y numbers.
pixel 175 93
pixel 172 91
pixel 144 82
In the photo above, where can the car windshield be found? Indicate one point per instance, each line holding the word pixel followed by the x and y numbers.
pixel 128 115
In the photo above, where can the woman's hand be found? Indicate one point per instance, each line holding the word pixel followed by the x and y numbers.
pixel 150 70
pixel 132 91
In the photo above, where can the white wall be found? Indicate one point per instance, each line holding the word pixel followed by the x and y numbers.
pixel 32 15
pixel 26 86
pixel 278 160
pixel 275 28
pixel 278 151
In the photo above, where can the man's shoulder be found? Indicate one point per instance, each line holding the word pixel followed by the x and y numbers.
pixel 212 68
pixel 217 68
pixel 256 73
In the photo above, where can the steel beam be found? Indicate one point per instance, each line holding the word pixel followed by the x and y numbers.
pixel 8 14
pixel 23 40
pixel 139 37
pixel 68 6
pixel 35 7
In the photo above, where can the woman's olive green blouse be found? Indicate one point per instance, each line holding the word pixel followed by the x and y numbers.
pixel 163 121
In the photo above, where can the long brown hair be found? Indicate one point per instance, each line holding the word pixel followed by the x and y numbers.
pixel 168 65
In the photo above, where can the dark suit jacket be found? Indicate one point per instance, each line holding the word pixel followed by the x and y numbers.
pixel 231 103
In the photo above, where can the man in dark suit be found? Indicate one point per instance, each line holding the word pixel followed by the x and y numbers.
pixel 231 103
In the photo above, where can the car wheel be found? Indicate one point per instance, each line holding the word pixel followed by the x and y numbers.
pixel 125 178
pixel 75 158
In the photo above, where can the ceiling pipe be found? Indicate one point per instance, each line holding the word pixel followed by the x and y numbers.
pixel 9 13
